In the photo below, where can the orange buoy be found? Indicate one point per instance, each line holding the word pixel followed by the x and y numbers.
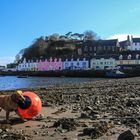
pixel 31 107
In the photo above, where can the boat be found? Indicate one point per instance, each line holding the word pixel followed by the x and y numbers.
pixel 115 74
pixel 22 76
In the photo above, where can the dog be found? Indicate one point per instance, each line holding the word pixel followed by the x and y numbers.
pixel 10 103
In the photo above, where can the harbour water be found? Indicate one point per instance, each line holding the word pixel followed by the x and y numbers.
pixel 12 82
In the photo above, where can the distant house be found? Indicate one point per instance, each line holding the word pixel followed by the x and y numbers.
pixel 2 68
pixel 128 59
pixel 131 44
pixel 50 64
pixel 102 63
pixel 100 47
pixel 76 64
pixel 29 65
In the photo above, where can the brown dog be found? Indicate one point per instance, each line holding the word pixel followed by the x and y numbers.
pixel 10 103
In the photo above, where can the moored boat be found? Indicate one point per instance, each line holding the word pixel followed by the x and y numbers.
pixel 115 74
pixel 22 76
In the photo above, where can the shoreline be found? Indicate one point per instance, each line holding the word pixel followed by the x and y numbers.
pixel 69 73
pixel 98 109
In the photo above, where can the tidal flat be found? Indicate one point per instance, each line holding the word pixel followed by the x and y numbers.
pixel 90 110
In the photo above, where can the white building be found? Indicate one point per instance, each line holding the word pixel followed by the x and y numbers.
pixel 131 43
pixel 27 65
pixel 128 60
pixel 102 63
pixel 135 44
pixel 77 64
pixel 2 68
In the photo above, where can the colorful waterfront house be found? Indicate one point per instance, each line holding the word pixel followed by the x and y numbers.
pixel 29 65
pixel 2 68
pixel 102 63
pixel 22 66
pixel 76 64
pixel 50 64
pixel 42 65
pixel 32 65
pixel 127 60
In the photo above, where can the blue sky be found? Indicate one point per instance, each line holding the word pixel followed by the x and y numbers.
pixel 21 21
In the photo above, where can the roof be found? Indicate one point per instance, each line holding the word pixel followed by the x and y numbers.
pixel 115 56
pixel 123 43
pixel 110 42
pixel 136 39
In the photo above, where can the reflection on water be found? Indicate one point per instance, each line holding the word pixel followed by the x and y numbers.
pixel 12 82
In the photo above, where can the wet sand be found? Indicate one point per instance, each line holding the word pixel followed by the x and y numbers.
pixel 101 110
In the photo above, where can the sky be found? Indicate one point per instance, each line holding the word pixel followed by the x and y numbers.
pixel 22 21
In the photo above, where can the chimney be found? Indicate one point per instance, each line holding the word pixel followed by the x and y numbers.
pixel 131 38
pixel 128 38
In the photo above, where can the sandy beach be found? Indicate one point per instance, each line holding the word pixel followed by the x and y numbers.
pixel 99 110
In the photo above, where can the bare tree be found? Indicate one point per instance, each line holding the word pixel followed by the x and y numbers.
pixel 90 35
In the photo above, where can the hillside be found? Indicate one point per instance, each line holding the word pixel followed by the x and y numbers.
pixel 64 46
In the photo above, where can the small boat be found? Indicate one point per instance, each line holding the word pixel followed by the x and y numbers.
pixel 115 74
pixel 22 76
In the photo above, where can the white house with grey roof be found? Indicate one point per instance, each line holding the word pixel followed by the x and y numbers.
pixel 29 65
pixel 132 44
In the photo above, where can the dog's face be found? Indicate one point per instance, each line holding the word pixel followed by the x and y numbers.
pixel 18 97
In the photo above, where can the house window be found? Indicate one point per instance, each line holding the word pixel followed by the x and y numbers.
pixel 66 64
pixel 78 64
pixel 71 64
pixel 84 64
pixel 129 56
pixel 90 49
pixel 85 49
pixel 137 56
pixel 120 57
pixel 113 48
pixel 101 63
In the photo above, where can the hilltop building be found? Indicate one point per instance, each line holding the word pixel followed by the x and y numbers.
pixel 131 44
pixel 100 47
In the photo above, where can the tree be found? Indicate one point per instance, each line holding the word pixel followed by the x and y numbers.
pixel 77 36
pixel 54 37
pixel 68 35
pixel 37 49
pixel 90 35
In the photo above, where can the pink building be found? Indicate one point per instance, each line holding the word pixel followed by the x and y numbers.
pixel 50 64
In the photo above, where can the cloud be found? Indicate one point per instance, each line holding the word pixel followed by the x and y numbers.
pixel 122 37
pixel 6 60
